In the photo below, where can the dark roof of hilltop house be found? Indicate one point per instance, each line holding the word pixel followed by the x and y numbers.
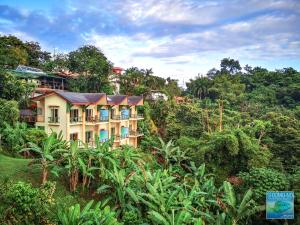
pixel 78 98
pixel 134 100
pixel 115 99
pixel 75 97
pixel 91 98
pixel 30 75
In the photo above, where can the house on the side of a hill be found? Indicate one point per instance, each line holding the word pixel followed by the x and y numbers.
pixel 84 116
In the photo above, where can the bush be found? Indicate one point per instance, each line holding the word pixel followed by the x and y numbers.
pixel 24 204
pixel 35 136
pixel 9 112
pixel 263 180
pixel 98 214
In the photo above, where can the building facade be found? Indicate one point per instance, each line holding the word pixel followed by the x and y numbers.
pixel 81 116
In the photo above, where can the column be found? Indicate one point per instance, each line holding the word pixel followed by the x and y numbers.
pixel 83 125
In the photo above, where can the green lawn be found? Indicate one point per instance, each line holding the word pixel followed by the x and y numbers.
pixel 18 169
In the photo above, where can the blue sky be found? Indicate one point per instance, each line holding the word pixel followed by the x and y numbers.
pixel 178 38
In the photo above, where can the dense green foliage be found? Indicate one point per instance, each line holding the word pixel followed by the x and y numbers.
pixel 23 204
pixel 262 180
pixel 207 160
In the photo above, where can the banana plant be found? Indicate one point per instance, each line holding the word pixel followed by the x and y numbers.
pixel 168 151
pixel 100 214
pixel 238 211
pixel 47 152
pixel 73 155
pixel 122 194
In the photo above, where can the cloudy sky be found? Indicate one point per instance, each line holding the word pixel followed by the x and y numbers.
pixel 178 38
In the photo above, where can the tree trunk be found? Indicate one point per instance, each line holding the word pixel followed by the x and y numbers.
pixel 207 122
pixel 221 106
pixel 44 174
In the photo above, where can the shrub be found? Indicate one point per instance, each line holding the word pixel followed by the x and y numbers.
pixel 263 180
pixel 25 204
pixel 99 214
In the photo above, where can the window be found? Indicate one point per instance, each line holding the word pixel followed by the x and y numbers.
pixel 104 115
pixel 74 115
pixel 74 137
pixel 54 115
pixel 88 114
pixel 124 132
pixel 103 135
pixel 113 131
pixel 39 111
pixel 113 112
pixel 124 113
pixel 88 136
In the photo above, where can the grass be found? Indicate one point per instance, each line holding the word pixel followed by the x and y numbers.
pixel 18 169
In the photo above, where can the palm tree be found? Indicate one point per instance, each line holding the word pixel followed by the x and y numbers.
pixel 238 211
pixel 46 152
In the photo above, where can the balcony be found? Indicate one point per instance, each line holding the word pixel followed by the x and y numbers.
pixel 103 119
pixel 91 119
pixel 136 116
pixel 116 138
pixel 124 136
pixel 75 119
pixel 120 117
pixel 28 119
pixel 134 133
pixel 54 120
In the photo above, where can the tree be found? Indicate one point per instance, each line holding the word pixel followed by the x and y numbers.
pixel 94 68
pixel 9 112
pixel 262 180
pixel 170 153
pixel 25 204
pixel 99 214
pixel 230 66
pixel 14 137
pixel 13 89
pixel 238 211
pixel 12 52
pixel 73 157
pixel 47 152
pixel 89 60
pixel 57 63
pixel 36 57
pixel 199 87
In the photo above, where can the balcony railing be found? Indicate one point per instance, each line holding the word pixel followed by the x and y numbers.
pixel 75 119
pixel 95 119
pixel 103 119
pixel 135 133
pixel 28 119
pixel 103 140
pixel 120 117
pixel 53 119
pixel 136 116
pixel 123 136
pixel 91 119
pixel 116 138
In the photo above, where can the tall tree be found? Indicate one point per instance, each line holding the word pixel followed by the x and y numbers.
pixel 36 57
pixel 12 52
pixel 230 66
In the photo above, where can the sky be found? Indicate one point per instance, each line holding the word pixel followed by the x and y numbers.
pixel 176 38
